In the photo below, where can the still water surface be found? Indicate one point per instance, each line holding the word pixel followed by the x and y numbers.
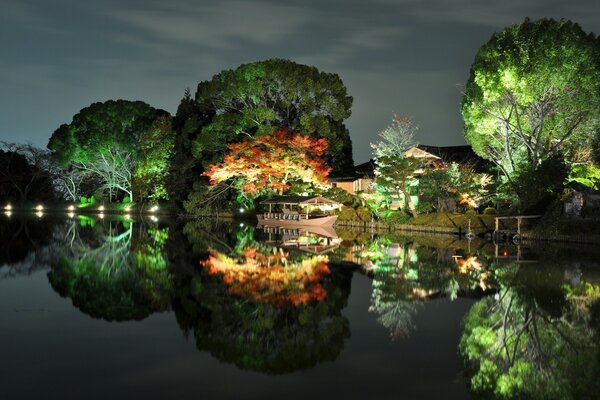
pixel 96 308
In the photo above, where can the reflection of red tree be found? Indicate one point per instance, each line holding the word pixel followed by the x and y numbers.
pixel 270 278
pixel 472 266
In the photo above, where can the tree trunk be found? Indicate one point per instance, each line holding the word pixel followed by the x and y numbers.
pixel 409 203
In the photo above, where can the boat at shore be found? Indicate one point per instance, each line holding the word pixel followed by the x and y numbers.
pixel 283 220
pixel 298 211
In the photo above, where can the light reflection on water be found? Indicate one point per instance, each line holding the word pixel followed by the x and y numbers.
pixel 279 302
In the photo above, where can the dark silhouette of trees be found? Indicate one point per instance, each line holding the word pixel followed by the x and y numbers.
pixel 25 173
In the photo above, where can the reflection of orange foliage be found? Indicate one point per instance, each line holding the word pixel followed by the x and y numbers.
pixel 472 264
pixel 420 294
pixel 468 264
pixel 270 278
pixel 271 161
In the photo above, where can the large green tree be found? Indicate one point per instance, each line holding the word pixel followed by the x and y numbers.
pixel 261 97
pixel 110 140
pixel 533 93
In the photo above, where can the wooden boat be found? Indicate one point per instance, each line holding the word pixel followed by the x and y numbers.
pixel 296 211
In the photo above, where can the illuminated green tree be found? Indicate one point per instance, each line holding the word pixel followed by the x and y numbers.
pixel 533 93
pixel 258 98
pixel 395 172
pixel 155 151
pixel 108 140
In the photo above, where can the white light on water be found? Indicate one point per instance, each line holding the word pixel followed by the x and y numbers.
pixel 39 214
pixel 101 215
pixel 71 215
pixel 154 219
pixel 8 213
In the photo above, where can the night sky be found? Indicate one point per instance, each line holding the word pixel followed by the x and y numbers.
pixel 408 57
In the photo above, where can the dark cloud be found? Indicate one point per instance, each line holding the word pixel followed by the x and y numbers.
pixel 408 57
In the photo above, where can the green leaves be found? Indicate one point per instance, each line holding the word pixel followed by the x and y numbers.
pixel 534 91
pixel 108 141
pixel 258 98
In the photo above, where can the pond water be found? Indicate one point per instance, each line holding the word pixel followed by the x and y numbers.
pixel 113 307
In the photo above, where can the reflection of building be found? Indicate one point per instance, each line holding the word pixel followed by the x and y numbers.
pixel 361 177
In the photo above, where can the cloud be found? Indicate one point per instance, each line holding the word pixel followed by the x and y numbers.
pixel 497 14
pixel 219 25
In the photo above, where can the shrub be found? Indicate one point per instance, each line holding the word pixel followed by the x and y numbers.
pixel 489 211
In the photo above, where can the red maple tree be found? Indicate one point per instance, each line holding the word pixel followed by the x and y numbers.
pixel 272 162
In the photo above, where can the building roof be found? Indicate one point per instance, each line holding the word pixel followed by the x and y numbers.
pixel 364 170
pixel 418 152
pixel 447 154
pixel 458 154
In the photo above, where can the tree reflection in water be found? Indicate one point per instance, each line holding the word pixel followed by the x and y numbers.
pixel 534 339
pixel 406 275
pixel 263 308
pixel 534 333
pixel 111 273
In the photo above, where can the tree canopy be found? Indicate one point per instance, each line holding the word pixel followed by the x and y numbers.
pixel 258 98
pixel 395 171
pixel 533 92
pixel 271 162
pixel 108 140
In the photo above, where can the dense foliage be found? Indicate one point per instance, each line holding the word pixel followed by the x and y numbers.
pixel 395 171
pixel 270 163
pixel 533 94
pixel 106 142
pixel 258 98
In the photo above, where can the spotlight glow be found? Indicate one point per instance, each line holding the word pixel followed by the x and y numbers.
pixel 154 219
pixel 127 209
pixel 8 207
pixel 71 215
pixel 153 209
pixel 101 215
pixel 8 213
pixel 71 208
pixel 39 214
pixel 242 210
pixel 39 208
pixel 101 208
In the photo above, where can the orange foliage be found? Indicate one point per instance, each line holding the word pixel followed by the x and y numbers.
pixel 272 161
pixel 270 278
